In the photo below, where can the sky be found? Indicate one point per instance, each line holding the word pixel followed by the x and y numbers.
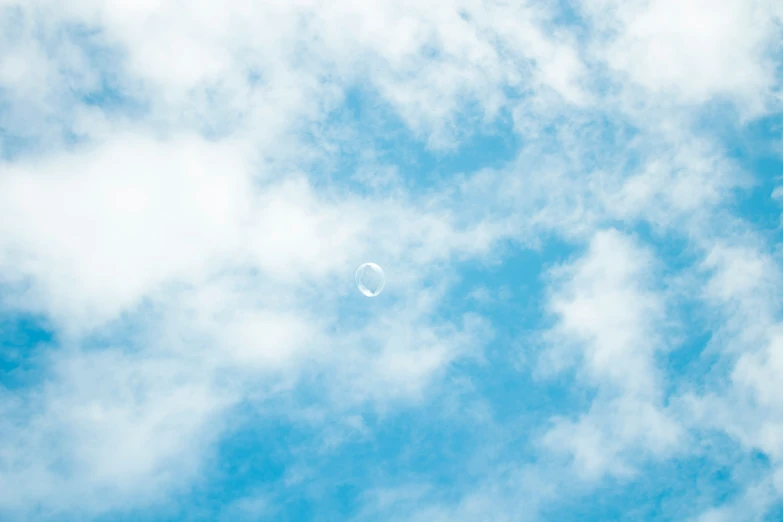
pixel 577 207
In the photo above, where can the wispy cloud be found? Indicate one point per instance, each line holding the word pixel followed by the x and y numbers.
pixel 611 323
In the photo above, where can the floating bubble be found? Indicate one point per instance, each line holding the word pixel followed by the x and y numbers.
pixel 370 279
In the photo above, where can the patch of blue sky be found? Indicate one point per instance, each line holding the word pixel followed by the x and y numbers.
pixel 756 148
pixel 512 294
pixel 281 462
pixel 415 445
pixel 95 82
pixel 24 339
pixel 12 145
pixel 774 512
pixel 111 90
pixel 379 138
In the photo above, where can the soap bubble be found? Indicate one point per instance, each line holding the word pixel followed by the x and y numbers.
pixel 369 279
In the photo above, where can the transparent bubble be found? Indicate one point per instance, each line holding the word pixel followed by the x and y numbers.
pixel 370 279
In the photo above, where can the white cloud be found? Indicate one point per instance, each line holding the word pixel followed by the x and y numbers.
pixel 741 399
pixel 192 67
pixel 743 286
pixel 91 234
pixel 678 186
pixel 608 314
pixel 99 230
pixel 179 284
pixel 130 425
pixel 610 323
pixel 691 51
pixel 107 429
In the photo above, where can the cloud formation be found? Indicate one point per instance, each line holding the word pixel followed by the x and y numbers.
pixel 187 188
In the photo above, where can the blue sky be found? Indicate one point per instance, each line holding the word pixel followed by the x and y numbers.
pixel 577 207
